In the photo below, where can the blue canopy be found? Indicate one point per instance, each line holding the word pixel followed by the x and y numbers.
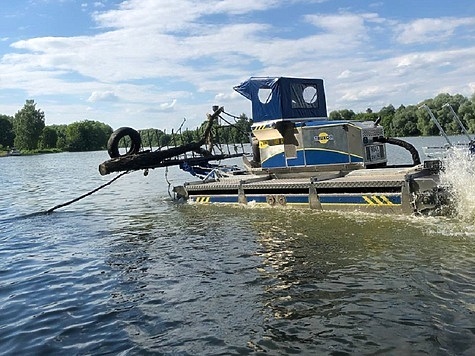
pixel 282 98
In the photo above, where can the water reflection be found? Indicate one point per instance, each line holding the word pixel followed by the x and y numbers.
pixel 128 271
pixel 349 283
pixel 186 280
pixel 261 280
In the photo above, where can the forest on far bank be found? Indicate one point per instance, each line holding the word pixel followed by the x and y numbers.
pixel 414 120
pixel 27 131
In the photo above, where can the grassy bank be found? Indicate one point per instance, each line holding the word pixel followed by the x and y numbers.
pixel 4 153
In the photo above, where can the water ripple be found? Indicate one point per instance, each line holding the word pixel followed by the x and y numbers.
pixel 129 272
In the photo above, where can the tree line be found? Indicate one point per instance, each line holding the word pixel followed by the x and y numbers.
pixel 26 130
pixel 414 120
pixel 224 133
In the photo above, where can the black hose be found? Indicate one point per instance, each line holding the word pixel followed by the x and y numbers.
pixel 404 144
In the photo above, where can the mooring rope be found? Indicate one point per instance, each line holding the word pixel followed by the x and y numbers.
pixel 49 211
pixel 169 184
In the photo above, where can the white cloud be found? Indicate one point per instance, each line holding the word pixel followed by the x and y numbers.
pixel 432 29
pixel 168 106
pixel 345 23
pixel 167 56
pixel 345 74
pixel 102 96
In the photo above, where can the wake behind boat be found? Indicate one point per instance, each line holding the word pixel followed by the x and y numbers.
pixel 299 158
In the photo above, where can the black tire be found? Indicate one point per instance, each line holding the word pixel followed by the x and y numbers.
pixel 270 199
pixel 117 135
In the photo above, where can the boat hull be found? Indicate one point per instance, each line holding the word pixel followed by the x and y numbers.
pixel 398 190
pixel 380 203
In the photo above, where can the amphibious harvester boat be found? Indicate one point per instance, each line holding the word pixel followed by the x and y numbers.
pixel 299 158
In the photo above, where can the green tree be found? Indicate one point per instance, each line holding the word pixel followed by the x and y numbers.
pixel 165 140
pixel 7 135
pixel 150 137
pixel 405 122
pixel 425 124
pixel 443 116
pixel 344 114
pixel 28 125
pixel 186 137
pixel 243 125
pixel 87 135
pixel 386 114
pixel 225 134
pixel 61 141
pixel 466 112
pixel 48 138
pixel 456 102
pixel 237 132
pixel 366 116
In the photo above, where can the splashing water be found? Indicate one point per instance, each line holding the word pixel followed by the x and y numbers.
pixel 458 176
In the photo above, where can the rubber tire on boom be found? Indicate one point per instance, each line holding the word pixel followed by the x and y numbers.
pixel 395 141
pixel 117 135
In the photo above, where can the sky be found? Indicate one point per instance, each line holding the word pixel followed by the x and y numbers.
pixel 156 63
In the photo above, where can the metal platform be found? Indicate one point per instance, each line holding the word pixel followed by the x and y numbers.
pixel 389 190
pixel 364 178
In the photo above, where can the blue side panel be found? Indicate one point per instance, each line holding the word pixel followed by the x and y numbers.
pixel 298 161
pixel 379 199
pixel 276 161
pixel 358 199
pixel 329 157
pixel 325 157
pixel 223 199
pixel 297 199
pixel 312 157
pixel 356 159
pixel 256 198
pixel 344 199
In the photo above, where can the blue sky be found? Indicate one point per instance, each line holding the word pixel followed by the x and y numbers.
pixel 152 63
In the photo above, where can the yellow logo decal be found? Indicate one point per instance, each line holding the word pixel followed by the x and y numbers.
pixel 323 137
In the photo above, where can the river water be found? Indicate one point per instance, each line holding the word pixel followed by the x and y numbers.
pixel 127 271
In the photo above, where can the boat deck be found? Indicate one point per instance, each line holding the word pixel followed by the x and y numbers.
pixel 363 178
pixel 391 190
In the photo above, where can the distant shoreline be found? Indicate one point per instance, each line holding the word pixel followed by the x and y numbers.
pixel 5 153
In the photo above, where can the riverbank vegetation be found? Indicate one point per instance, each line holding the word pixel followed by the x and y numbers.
pixel 412 120
pixel 27 131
